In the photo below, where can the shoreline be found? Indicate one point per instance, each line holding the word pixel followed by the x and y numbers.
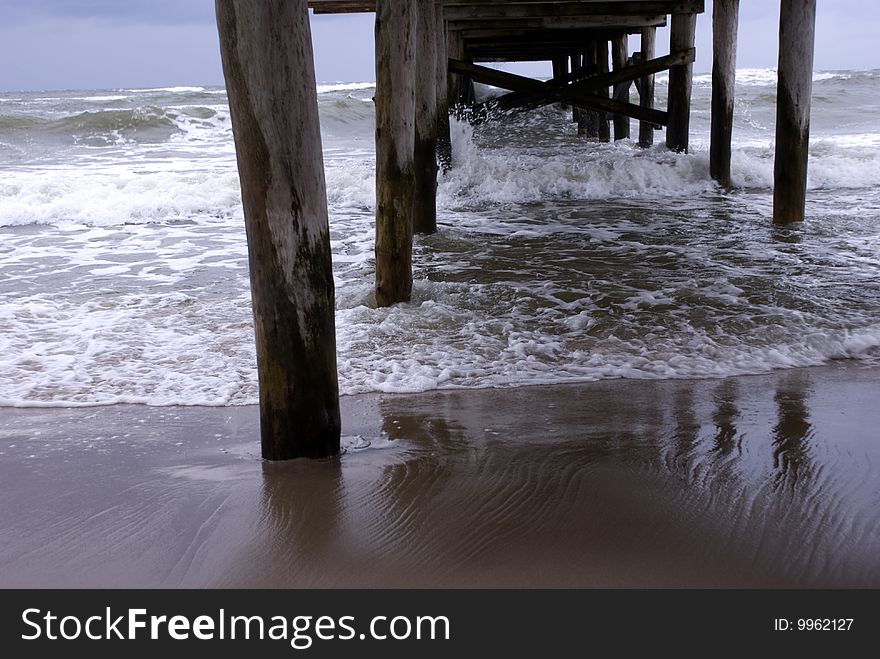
pixel 747 481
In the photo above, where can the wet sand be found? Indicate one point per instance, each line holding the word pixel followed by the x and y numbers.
pixel 764 481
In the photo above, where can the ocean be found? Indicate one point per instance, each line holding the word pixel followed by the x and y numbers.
pixel 124 277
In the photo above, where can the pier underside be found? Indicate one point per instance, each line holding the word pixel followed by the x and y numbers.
pixel 594 71
pixel 429 53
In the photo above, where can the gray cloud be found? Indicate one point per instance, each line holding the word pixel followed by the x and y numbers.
pixel 161 12
pixel 133 43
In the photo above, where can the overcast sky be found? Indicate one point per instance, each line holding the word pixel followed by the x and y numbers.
pixel 100 44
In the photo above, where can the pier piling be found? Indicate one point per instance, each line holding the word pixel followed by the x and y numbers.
pixel 444 138
pixel 588 120
pixel 646 88
pixel 395 148
pixel 460 90
pixel 575 61
pixel 266 50
pixel 681 37
pixel 619 56
pixel 797 24
pixel 602 67
pixel 424 216
pixel 725 19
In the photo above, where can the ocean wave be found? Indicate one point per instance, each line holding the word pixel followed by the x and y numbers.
pixel 113 198
pixel 123 194
pixel 768 77
pixel 329 87
pixel 98 127
pixel 175 349
pixel 172 90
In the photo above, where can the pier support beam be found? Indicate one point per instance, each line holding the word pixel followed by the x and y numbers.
pixel 461 88
pixel 682 35
pixel 575 63
pixel 395 146
pixel 560 71
pixel 444 138
pixel 424 217
pixel 725 20
pixel 266 49
pixel 619 56
pixel 578 88
pixel 559 66
pixel 646 87
pixel 797 24
pixel 588 120
pixel 602 67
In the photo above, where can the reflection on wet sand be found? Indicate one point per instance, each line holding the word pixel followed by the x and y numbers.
pixel 725 417
pixel 301 505
pixel 792 433
pixel 761 481
pixel 584 486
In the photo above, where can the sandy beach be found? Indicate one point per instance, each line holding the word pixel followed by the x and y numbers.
pixel 762 481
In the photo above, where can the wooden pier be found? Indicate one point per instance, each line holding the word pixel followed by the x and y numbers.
pixel 429 53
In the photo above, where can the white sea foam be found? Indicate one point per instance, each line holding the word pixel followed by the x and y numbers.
pixel 115 197
pixel 768 77
pixel 169 349
pixel 123 266
pixel 325 88
pixel 173 90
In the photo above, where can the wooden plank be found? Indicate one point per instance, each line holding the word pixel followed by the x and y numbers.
pixel 395 137
pixel 797 25
pixel 342 6
pixel 266 50
pixel 682 35
pixel 424 217
pixel 608 21
pixel 598 6
pixel 506 80
pixel 519 10
pixel 608 105
pixel 638 6
pixel 646 88
pixel 525 35
pixel 725 20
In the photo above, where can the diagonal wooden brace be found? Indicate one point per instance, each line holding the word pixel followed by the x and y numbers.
pixel 575 88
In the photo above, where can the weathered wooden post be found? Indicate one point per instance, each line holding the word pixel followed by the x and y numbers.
pixel 682 33
pixel 559 66
pixel 619 56
pixel 575 65
pixel 560 70
pixel 588 120
pixel 460 91
pixel 602 67
pixel 266 49
pixel 444 139
pixel 725 20
pixel 395 146
pixel 424 217
pixel 646 86
pixel 797 25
